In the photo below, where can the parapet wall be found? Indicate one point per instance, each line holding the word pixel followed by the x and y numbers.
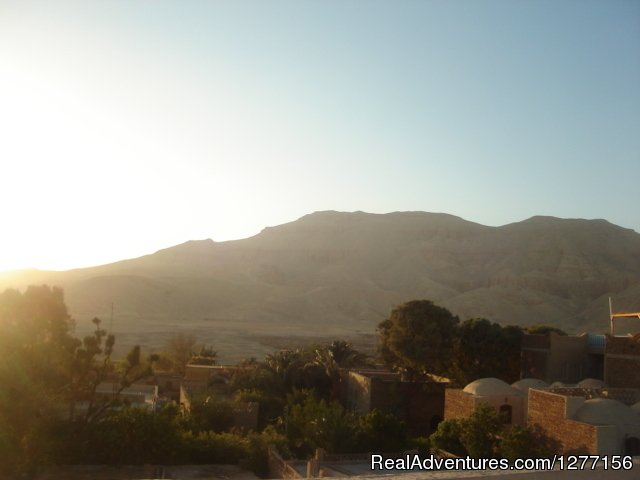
pixel 458 404
pixel 549 411
pixel 622 362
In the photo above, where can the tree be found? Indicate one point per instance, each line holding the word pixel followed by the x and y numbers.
pixel 131 435
pixel 416 338
pixel 447 436
pixel 210 413
pixel 333 357
pixel 485 349
pixel 44 370
pixel 480 431
pixel 381 432
pixel 484 435
pixel 314 423
pixel 129 371
pixel 294 369
pixel 527 442
pixel 179 350
pixel 36 351
pixel 92 365
pixel 206 356
pixel 476 435
pixel 87 370
pixel 542 329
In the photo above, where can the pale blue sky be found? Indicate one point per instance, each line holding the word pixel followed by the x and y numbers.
pixel 130 126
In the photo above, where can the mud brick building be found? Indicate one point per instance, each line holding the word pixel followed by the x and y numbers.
pixel 588 421
pixel 565 358
pixel 622 361
pixel 570 358
pixel 419 403
pixel 509 400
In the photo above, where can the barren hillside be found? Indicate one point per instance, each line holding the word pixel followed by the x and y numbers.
pixel 332 274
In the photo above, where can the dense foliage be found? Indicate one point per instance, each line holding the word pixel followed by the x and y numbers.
pixel 484 435
pixel 485 349
pixel 317 423
pixel 417 337
pixel 50 412
pixel 47 374
pixel 45 371
pixel 421 338
pixel 542 329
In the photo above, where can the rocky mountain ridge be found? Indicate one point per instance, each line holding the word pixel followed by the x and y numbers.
pixel 343 272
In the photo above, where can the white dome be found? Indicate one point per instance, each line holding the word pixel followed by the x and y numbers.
pixel 526 383
pixel 591 383
pixel 604 411
pixel 491 387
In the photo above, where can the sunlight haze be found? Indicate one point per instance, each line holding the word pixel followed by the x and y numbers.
pixel 127 127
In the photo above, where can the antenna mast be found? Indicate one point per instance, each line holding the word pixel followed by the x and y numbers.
pixel 613 334
pixel 613 316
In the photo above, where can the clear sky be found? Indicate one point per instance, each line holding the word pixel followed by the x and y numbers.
pixel 130 126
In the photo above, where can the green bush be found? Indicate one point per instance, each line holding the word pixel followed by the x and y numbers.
pixel 382 432
pixel 447 437
pixel 320 424
pixel 526 442
pixel 210 413
pixel 271 406
pixel 249 450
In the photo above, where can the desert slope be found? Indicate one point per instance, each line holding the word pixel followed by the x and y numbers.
pixel 332 272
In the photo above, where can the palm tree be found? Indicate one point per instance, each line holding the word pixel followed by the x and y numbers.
pixel 336 356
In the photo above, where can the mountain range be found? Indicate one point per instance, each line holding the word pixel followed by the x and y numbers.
pixel 336 274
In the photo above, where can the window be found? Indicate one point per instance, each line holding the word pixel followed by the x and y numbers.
pixel 632 446
pixel 506 413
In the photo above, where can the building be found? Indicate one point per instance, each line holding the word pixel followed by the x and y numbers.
pixel 419 403
pixel 622 361
pixel 569 358
pixel 509 400
pixel 137 395
pixel 585 418
pixel 593 421
pixel 566 358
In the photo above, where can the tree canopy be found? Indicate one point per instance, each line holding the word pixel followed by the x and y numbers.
pixel 484 435
pixel 485 349
pixel 542 329
pixel 417 338
pixel 45 370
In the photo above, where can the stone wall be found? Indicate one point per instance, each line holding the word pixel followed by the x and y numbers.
pixel 419 404
pixel 549 411
pixel 622 346
pixel 458 404
pixel 425 407
pixel 622 362
pixel 622 372
pixel 535 341
pixel 534 364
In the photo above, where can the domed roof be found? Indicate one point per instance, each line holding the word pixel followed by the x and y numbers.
pixel 591 383
pixel 491 386
pixel 636 407
pixel 526 383
pixel 605 411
